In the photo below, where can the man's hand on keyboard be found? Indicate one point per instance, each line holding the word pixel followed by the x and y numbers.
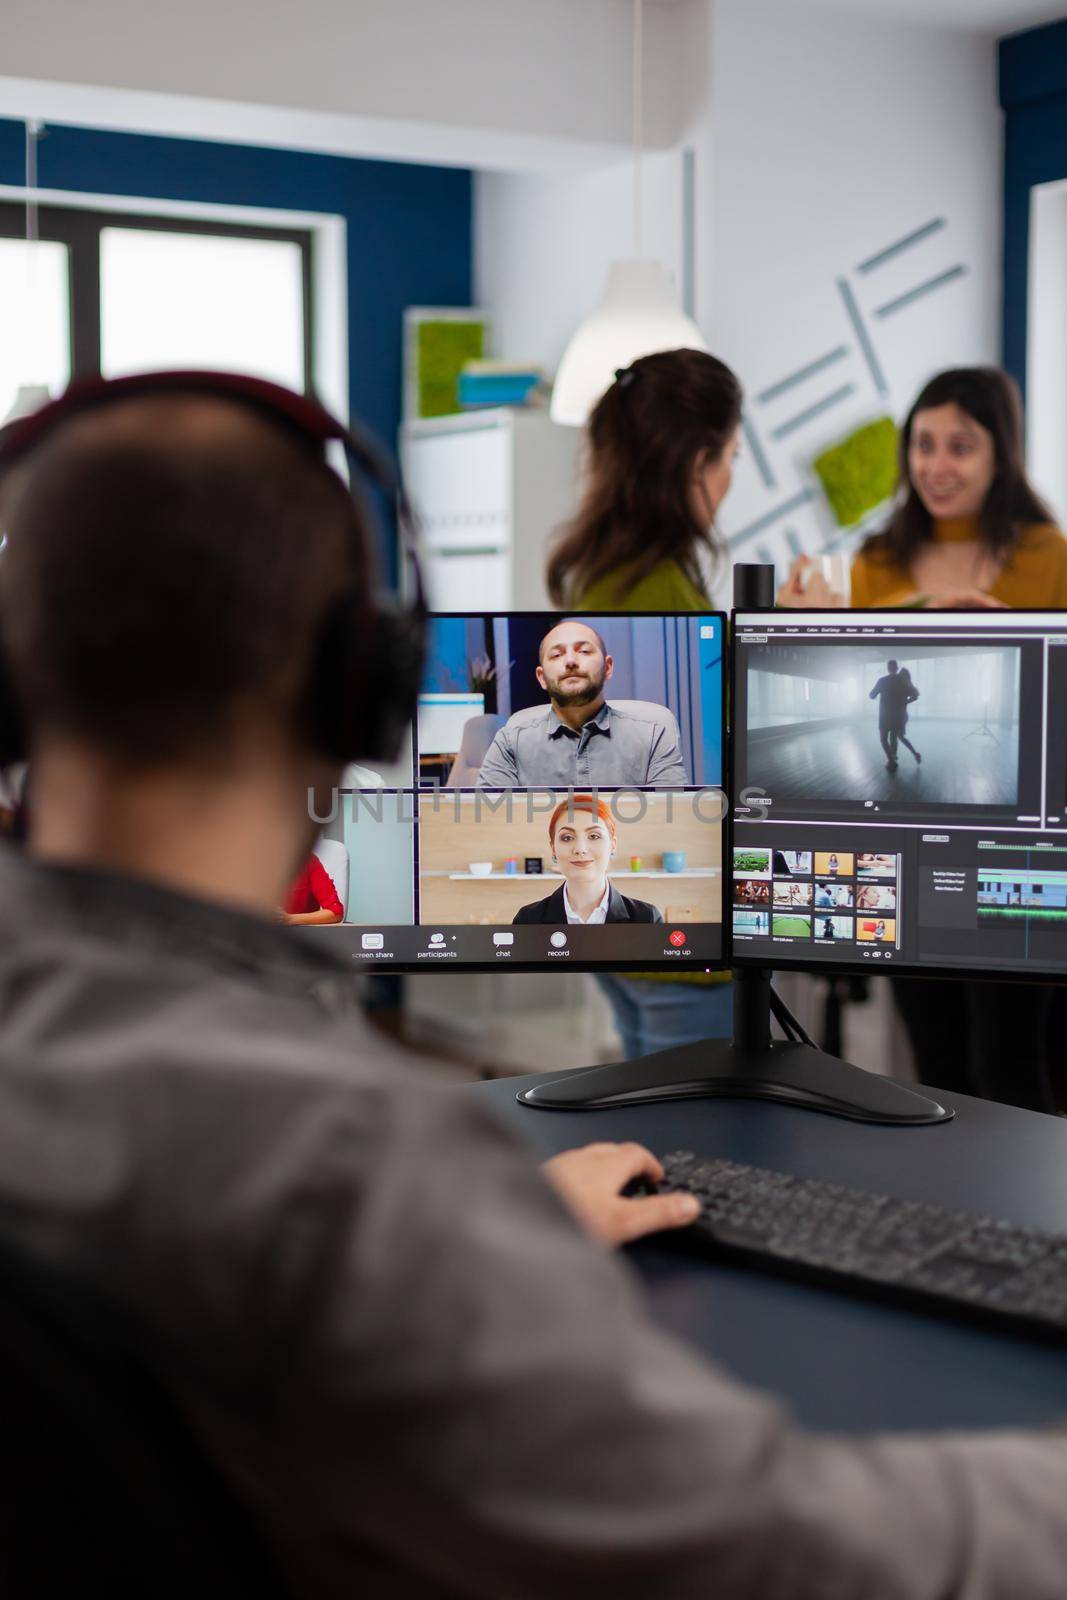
pixel 590 1182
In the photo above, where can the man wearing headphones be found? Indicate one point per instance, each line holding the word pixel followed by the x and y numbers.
pixel 416 1370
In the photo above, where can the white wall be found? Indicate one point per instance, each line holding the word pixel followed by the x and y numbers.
pixel 542 246
pixel 832 137
pixel 820 139
pixel 1046 341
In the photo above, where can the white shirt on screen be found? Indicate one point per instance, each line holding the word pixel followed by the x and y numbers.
pixel 599 912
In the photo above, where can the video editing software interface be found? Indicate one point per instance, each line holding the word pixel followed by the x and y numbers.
pixel 559 802
pixel 900 790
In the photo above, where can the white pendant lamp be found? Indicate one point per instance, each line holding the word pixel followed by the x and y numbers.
pixel 639 312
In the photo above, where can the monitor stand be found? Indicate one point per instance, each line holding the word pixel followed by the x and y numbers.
pixel 792 1071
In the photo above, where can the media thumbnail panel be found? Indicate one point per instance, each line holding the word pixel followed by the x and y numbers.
pixel 922 722
pixel 533 699
pixel 630 878
pixel 815 893
pixel 935 900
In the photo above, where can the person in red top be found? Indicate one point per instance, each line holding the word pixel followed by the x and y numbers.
pixel 313 898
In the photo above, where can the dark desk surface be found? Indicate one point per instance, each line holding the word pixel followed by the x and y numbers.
pixel 843 1362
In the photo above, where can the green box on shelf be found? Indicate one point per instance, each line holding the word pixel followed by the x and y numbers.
pixel 859 473
pixel 441 350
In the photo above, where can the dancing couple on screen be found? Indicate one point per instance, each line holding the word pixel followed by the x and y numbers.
pixel 894 692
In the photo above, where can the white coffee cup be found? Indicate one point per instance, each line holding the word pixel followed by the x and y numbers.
pixel 827 580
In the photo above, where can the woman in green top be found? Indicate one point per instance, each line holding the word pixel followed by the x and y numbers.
pixel 660 445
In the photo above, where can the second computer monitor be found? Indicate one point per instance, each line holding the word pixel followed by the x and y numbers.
pixel 899 791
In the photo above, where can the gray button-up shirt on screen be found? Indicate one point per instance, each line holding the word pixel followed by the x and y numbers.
pixel 618 748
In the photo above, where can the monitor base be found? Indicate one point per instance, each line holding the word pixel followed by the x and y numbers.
pixel 791 1073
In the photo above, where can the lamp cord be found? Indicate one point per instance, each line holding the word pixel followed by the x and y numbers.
pixel 638 121
pixel 33 134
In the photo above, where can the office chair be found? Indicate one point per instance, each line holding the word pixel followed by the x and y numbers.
pixel 478 734
pixel 101 1481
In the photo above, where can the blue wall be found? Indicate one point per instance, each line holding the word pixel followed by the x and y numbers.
pixel 1033 94
pixel 409 227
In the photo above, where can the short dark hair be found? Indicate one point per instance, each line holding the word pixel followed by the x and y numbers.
pixel 599 637
pixel 170 561
pixel 892 665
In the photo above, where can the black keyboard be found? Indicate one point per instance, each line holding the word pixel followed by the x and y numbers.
pixel 947 1261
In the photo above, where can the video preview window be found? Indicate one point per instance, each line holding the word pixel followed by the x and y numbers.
pixel 887 725
pixel 603 702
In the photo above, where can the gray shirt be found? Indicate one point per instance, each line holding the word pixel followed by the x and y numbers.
pixel 385 1328
pixel 616 749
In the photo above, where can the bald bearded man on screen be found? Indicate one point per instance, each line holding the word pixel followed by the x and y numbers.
pixel 580 739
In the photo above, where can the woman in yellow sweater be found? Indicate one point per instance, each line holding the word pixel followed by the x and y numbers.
pixel 968 531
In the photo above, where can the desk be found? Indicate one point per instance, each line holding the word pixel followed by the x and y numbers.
pixel 841 1362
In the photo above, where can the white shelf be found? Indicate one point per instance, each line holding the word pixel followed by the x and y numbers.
pixel 557 877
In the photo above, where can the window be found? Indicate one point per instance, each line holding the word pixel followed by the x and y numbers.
pixel 200 300
pixel 117 292
pixel 34 318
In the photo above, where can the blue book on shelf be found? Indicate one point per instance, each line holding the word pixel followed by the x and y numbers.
pixel 496 388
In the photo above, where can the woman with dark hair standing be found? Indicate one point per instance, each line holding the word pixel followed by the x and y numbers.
pixel 660 448
pixel 968 528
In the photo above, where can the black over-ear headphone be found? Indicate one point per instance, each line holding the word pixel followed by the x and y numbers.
pixel 370 655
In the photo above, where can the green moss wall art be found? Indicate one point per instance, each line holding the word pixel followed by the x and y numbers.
pixel 859 473
pixel 437 343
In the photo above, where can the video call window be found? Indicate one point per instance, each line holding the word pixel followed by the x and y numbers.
pixel 501 857
pixel 362 867
pixel 558 798
pixel 536 700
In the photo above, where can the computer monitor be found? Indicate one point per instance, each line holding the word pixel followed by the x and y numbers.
pixel 559 805
pixel 899 792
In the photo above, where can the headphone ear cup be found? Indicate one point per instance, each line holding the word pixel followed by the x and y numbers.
pixel 366 681
pixel 393 664
pixel 13 742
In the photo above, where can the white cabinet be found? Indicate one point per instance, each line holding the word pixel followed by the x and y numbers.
pixel 489 488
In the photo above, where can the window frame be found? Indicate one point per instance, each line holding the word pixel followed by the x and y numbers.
pixel 79 228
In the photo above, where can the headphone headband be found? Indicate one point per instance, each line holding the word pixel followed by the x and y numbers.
pixel 304 414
